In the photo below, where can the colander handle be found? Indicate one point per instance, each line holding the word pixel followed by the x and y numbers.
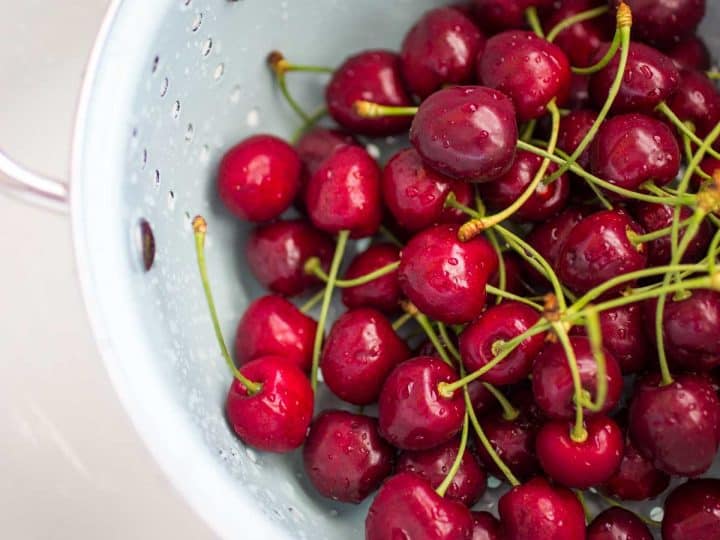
pixel 32 187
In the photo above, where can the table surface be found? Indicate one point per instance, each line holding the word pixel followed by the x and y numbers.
pixel 71 464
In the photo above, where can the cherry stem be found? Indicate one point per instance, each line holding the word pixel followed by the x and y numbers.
pixel 514 297
pixel 424 323
pixel 712 250
pixel 528 131
pixel 313 266
pixel 390 236
pixel 200 231
pixel 325 307
pixel 533 21
pixel 312 301
pixel 279 64
pixel 713 74
pixel 368 109
pixel 637 239
pixel 596 190
pixel 401 321
pixel 510 413
pixel 501 271
pixel 578 433
pixel 687 145
pixel 312 121
pixel 683 128
pixel 604 61
pixel 581 499
pixel 575 19
pixel 594 332
pixel 443 487
pixel 448 342
pixel 612 502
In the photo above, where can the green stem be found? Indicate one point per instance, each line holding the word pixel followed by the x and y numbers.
pixel 424 323
pixel 501 271
pixel 313 266
pixel 604 61
pixel 401 321
pixel 510 413
pixel 312 301
pixel 368 109
pixel 390 236
pixel 578 433
pixel 683 128
pixel 294 105
pixel 596 190
pixel 636 239
pixel 575 19
pixel 687 144
pixel 533 21
pixel 309 69
pixel 581 499
pixel 314 119
pixel 443 487
pixel 514 297
pixel 594 332
pixel 712 74
pixel 528 131
pixel 448 342
pixel 712 250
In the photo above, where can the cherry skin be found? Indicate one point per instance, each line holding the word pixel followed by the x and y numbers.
pixel 498 15
pixel 536 510
pixel 498 325
pixel 696 100
pixel 382 293
pixel 344 456
pixel 665 21
pixel 513 274
pixel 344 193
pixel 650 77
pixel 359 353
pixel 636 479
pixel 598 249
pixel 546 201
pixel 407 507
pixel 579 97
pixel 276 254
pixel 552 381
pixel 709 165
pixel 618 524
pixel 259 178
pixel 514 442
pixel 412 413
pixel 433 465
pixel 690 53
pixel 693 511
pixel 272 326
pixel 528 69
pixel 486 527
pixel 466 132
pixel 276 418
pixel 440 49
pixel 573 128
pixel 373 76
pixel 416 194
pixel 319 143
pixel 583 464
pixel 676 426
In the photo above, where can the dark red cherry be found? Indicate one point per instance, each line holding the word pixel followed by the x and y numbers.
pixel 382 293
pixel 709 165
pixel 486 527
pixel 412 414
pixel 690 53
pixel 513 274
pixel 573 128
pixel 480 340
pixel 579 97
pixel 665 21
pixel 696 100
pixel 433 465
pixel 344 456
pixel 440 49
pixel 514 442
pixel 272 326
pixel 444 277
pixel 650 77
pixel 481 398
pixel 618 524
pixel 677 426
pixel 407 507
pixel 583 464
pixel 277 252
pixel 319 143
pixel 536 510
pixel 276 418
pixel 693 511
pixel 372 76
pixel 552 381
pixel 259 178
pixel 466 132
pixel 637 479
pixel 546 201
pixel 631 149
pixel 598 249
pixel 528 69
pixel 498 15
pixel 344 193
pixel 415 194
pixel 359 353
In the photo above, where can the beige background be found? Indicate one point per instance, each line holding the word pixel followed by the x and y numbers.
pixel 71 465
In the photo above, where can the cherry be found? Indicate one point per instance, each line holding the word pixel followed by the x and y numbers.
pixel 527 68
pixel 665 21
pixel 276 254
pixel 696 100
pixel 415 194
pixel 693 511
pixel 580 464
pixel 412 414
pixel 513 274
pixel 709 165
pixel 636 479
pixel 676 425
pixel 498 325
pixel 259 178
pixel 650 77
pixel 344 456
pixel 407 507
pixel 373 76
pixel 382 293
pixel 598 249
pixel 272 326
pixel 466 132
pixel 552 381
pixel 440 49
pixel 514 442
pixel 344 193
pixel 481 398
pixel 359 353
pixel 499 15
pixel 486 527
pixel 319 143
pixel 277 416
pixel 444 277
pixel 536 510
pixel 579 97
pixel 618 524
pixel 690 53
pixel 468 484
pixel 573 128
pixel 547 200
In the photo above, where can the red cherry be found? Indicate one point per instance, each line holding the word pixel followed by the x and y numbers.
pixel 276 418
pixel 513 274
pixel 319 143
pixel 573 128
pixel 444 277
pixel 382 293
pixel 690 53
pixel 579 97
pixel 481 398
pixel 373 76
pixel 433 465
pixel 618 524
pixel 259 177
pixel 514 442
pixel 528 69
pixel 344 456
pixel 272 326
pixel 665 21
pixel 412 414
pixel 536 510
pixel 360 352
pixel 408 508
pixel 486 527
pixel 693 511
pixel 498 15
pixel 696 100
pixel 636 479
pixel 708 165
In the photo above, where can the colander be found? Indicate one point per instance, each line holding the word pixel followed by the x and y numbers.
pixel 170 85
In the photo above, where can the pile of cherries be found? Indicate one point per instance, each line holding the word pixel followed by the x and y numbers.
pixel 535 289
